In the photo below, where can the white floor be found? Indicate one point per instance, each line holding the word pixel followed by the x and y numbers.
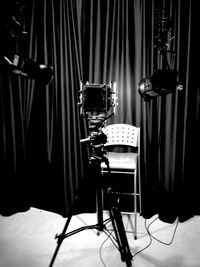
pixel 27 240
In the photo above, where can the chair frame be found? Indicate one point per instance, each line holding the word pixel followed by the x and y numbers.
pixel 130 137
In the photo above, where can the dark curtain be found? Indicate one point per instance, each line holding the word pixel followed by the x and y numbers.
pixel 40 131
pixel 170 125
pixel 42 161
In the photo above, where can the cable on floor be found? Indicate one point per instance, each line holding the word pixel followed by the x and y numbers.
pixel 148 245
pixel 100 250
pixel 160 241
pixel 153 237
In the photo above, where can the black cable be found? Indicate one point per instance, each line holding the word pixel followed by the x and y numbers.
pixel 112 238
pixel 109 236
pixel 153 237
pixel 160 241
pixel 100 255
pixel 150 241
pixel 109 232
pixel 106 221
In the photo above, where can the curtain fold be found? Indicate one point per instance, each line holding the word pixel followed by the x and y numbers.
pixel 166 123
pixel 60 27
pixel 110 37
pixel 99 41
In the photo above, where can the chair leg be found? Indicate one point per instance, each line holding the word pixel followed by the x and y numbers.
pixel 139 186
pixel 135 233
pixel 135 204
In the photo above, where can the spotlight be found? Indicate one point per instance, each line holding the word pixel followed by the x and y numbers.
pixel 30 69
pixel 13 35
pixel 162 82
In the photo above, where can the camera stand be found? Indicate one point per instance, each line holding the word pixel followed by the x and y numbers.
pixel 101 187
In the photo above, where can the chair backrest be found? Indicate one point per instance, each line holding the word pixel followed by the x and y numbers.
pixel 122 134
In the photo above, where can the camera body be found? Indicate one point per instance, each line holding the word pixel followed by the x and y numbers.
pixel 97 103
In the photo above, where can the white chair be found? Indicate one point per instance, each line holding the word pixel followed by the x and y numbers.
pixel 127 136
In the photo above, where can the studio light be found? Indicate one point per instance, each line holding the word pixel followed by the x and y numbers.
pixel 30 69
pixel 13 42
pixel 161 82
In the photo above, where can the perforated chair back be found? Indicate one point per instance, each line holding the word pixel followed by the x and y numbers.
pixel 122 134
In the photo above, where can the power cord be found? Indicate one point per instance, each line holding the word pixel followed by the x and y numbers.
pixel 151 237
pixel 150 240
pixel 100 250
pixel 160 241
pixel 109 236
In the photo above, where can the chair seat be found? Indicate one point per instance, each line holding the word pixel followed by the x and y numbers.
pixel 121 161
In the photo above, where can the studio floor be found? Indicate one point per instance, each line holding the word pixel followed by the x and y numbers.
pixel 27 240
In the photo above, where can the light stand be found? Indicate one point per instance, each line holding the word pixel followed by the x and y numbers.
pixel 163 81
pixel 96 141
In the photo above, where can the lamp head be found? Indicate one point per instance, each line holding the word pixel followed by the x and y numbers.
pixel 36 71
pixel 161 82
pixel 30 69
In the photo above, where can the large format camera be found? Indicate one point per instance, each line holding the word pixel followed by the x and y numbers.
pixel 97 104
pixel 98 101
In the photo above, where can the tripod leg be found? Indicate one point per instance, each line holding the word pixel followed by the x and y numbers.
pixel 61 236
pixel 99 203
pixel 118 228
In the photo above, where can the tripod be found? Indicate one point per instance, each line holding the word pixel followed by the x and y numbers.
pixel 114 212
